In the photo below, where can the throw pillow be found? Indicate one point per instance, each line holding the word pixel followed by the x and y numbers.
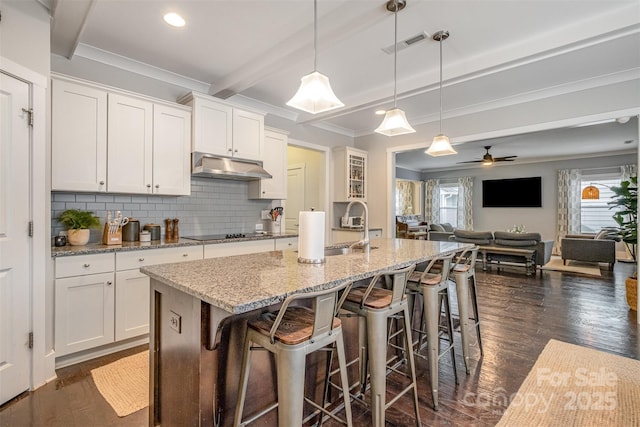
pixel 436 227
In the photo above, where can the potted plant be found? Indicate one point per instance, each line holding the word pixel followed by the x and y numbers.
pixel 78 224
pixel 626 199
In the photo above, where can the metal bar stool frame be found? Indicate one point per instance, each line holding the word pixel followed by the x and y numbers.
pixel 463 272
pixel 434 289
pixel 291 359
pixel 373 339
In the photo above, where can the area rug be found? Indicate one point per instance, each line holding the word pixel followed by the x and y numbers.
pixel 571 385
pixel 124 384
pixel 587 268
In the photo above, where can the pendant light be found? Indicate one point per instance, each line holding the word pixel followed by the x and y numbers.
pixel 315 94
pixel 440 146
pixel 395 122
pixel 590 192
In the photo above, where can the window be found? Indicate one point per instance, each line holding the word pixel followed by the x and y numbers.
pixel 595 214
pixel 449 203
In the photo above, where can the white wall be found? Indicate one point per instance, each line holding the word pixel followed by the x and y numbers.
pixel 314 174
pixel 542 220
pixel 24 34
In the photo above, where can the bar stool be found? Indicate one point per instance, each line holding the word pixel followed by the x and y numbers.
pixel 290 334
pixel 464 274
pixel 434 289
pixel 375 307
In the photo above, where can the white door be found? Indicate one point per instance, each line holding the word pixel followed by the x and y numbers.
pixel 295 197
pixel 15 311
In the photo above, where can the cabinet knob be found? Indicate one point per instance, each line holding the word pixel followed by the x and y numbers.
pixel 148 185
pixel 264 192
pixel 140 259
pixel 235 151
pixel 87 265
pixel 109 283
pixel 230 150
pixel 101 182
pixel 157 185
pixel 185 254
pixel 290 244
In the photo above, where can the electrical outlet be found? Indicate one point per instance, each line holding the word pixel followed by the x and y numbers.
pixel 259 227
pixel 175 321
pixel 264 214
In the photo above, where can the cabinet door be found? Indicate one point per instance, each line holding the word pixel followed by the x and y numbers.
pixel 171 143
pixel 130 145
pixel 275 162
pixel 238 248
pixel 248 135
pixel 132 304
pixel 84 312
pixel 286 243
pixel 212 127
pixel 78 137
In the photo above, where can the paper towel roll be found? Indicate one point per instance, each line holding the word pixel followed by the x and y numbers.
pixel 311 237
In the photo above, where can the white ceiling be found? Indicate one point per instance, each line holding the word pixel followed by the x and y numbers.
pixel 499 52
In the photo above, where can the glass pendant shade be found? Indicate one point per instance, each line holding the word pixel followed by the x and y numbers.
pixel 440 146
pixel 315 95
pixel 394 123
pixel 590 192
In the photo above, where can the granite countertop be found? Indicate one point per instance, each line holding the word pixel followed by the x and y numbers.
pixel 238 284
pixel 99 248
pixel 355 228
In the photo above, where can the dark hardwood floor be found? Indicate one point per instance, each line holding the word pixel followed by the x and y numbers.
pixel 519 315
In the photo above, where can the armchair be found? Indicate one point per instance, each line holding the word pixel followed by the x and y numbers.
pixel 589 248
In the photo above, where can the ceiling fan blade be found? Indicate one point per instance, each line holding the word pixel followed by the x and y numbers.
pixel 504 159
pixel 473 161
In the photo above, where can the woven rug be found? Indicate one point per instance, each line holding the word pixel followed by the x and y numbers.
pixel 587 268
pixel 571 385
pixel 124 384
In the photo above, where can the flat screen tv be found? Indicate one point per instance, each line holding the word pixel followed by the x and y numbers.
pixel 512 193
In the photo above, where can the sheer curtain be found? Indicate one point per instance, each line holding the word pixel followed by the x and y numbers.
pixel 569 191
pixel 465 203
pixel 432 201
pixel 627 171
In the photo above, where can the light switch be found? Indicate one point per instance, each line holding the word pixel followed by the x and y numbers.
pixel 175 322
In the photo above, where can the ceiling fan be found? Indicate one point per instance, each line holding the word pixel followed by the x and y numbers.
pixel 488 159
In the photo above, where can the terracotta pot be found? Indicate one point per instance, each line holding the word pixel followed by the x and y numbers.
pixel 632 292
pixel 78 237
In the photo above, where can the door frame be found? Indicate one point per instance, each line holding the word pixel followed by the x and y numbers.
pixel 328 180
pixel 41 265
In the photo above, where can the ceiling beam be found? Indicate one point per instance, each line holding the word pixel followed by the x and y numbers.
pixel 69 20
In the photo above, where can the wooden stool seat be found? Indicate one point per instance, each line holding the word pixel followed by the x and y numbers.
pixel 378 298
pixel 425 278
pixel 461 268
pixel 296 325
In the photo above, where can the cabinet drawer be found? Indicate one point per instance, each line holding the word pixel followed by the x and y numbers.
pixel 137 259
pixel 286 243
pixel 238 248
pixel 84 264
pixel 375 234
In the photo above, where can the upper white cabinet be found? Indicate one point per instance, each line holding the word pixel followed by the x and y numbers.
pixel 275 162
pixel 224 130
pixel 103 140
pixel 350 174
pixel 78 137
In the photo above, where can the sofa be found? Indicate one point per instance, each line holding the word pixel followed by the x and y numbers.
pixel 440 232
pixel 589 248
pixel 410 227
pixel 505 246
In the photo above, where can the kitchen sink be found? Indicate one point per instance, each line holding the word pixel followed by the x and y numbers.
pixel 344 250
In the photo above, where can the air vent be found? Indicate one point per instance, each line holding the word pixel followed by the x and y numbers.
pixel 408 42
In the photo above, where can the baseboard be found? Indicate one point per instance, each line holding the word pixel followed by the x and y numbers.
pixel 83 356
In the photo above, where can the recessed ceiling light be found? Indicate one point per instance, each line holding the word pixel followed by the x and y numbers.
pixel 381 112
pixel 174 19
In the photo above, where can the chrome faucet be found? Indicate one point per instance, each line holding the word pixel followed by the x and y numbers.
pixel 364 242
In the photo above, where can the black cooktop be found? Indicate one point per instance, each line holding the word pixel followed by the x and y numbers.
pixel 223 236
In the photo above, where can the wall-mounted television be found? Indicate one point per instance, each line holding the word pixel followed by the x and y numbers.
pixel 512 193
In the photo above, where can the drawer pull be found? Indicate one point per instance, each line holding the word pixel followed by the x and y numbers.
pixel 101 182
pixel 185 254
pixel 109 283
pixel 87 265
pixel 140 259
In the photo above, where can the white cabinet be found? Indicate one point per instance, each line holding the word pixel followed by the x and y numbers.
pixel 343 236
pixel 275 162
pixel 350 174
pixel 78 137
pixel 84 303
pixel 148 147
pixel 286 243
pixel 238 248
pixel 224 130
pixel 104 140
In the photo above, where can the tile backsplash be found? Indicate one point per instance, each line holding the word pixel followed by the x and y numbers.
pixel 215 206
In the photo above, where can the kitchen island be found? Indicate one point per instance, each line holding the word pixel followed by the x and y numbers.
pixel 199 309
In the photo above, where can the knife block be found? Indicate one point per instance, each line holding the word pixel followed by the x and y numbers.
pixel 111 238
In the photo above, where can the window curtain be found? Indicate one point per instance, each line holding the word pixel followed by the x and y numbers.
pixel 405 192
pixel 432 201
pixel 627 171
pixel 569 193
pixel 465 203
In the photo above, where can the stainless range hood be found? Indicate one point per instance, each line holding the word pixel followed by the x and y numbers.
pixel 207 165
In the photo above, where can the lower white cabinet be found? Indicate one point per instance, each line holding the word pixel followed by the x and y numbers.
pixel 238 248
pixel 286 243
pixel 84 304
pixel 132 304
